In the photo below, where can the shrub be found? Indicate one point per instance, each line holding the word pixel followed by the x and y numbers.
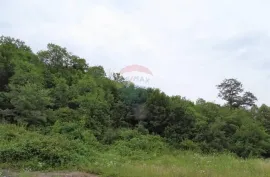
pixel 132 143
pixel 19 145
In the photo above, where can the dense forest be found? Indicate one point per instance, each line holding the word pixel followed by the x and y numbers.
pixel 53 92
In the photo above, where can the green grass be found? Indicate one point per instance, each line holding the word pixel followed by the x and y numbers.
pixel 185 164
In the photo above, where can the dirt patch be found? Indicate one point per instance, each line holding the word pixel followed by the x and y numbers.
pixel 49 174
pixel 73 174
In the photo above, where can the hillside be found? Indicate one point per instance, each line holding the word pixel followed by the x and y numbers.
pixel 59 113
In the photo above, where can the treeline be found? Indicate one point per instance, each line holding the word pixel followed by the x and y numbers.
pixel 55 88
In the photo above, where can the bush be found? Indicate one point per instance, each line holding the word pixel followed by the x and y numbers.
pixel 132 143
pixel 19 145
pixel 189 145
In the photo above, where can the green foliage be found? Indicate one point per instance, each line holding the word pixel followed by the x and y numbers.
pixel 70 108
pixel 250 141
pixel 14 54
pixel 189 145
pixel 29 102
pixel 230 90
pixel 158 108
pixel 135 145
pixel 19 145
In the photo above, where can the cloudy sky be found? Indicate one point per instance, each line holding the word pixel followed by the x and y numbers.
pixel 189 45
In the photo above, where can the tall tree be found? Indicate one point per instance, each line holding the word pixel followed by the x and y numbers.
pixel 11 50
pixel 230 90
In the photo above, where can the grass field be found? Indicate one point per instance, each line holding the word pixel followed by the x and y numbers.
pixel 185 164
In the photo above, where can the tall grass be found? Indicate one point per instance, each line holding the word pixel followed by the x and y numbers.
pixel 186 164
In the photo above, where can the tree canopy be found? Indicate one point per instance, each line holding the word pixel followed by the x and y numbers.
pixel 55 87
pixel 230 90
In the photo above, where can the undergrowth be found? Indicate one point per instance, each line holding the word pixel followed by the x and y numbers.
pixel 128 153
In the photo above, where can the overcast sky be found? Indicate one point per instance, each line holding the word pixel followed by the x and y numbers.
pixel 189 45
